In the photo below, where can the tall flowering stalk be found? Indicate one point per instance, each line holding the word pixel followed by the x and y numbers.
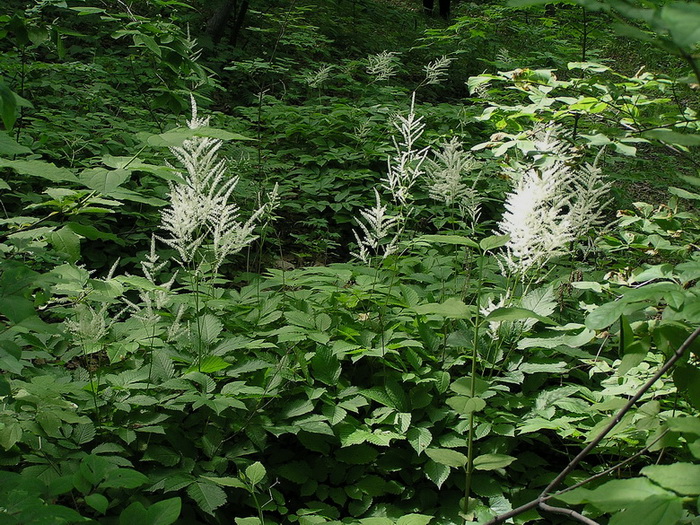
pixel 552 204
pixel 200 203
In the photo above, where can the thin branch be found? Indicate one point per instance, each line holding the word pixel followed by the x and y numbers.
pixel 567 512
pixel 540 500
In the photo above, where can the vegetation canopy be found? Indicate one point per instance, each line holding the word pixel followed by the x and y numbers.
pixel 359 262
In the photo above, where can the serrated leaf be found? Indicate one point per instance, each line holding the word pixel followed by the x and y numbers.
pixel 419 438
pixel 492 461
pixel 659 510
pixel 211 364
pixel 208 496
pixel 325 365
pixel 447 457
pixel 436 472
pixel 176 137
pixel 227 482
pixel 66 241
pixel 255 473
pixel 83 433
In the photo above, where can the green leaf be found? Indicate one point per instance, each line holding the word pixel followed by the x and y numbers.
pixel 463 386
pixel 39 168
pixel 211 364
pixel 103 180
pixel 97 502
pixel 414 519
pixel 124 478
pixel 492 461
pixel 8 106
pixel 513 313
pixel 616 494
pixel 447 457
pixel 255 473
pixel 495 241
pixel 66 241
pixel 452 308
pixel 176 137
pixel 605 315
pixel 325 365
pixel 134 513
pixel 683 23
pixel 436 472
pixel 164 512
pixel 8 146
pixel 659 510
pixel 419 438
pixel 446 239
pixel 208 496
pixel 673 137
pixel 227 482
pixel 10 434
pixel 683 478
pixel 466 405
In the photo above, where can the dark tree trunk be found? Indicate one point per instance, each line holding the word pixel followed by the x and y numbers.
pixel 216 27
pixel 444 6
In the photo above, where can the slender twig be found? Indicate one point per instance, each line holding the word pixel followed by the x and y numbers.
pixel 540 500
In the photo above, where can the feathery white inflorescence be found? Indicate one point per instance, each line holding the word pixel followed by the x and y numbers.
pixel 200 207
pixel 551 204
pixel 436 71
pixel 383 65
pixel 446 178
pixel 377 225
pixel 404 168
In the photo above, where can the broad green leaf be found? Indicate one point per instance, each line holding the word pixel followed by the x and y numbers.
pixel 605 315
pixel 466 405
pixel 325 365
pixel 683 478
pixel 39 168
pixel 436 472
pixel 103 180
pixel 452 308
pixel 134 513
pixel 10 433
pixel 683 23
pixel 8 146
pixel 16 309
pixel 492 461
pixel 659 510
pixel 124 478
pixel 419 438
pixel 8 106
pixel 514 313
pixel 227 482
pixel 686 425
pixel 463 386
pixel 66 241
pixel 208 496
pixel 414 519
pixel 255 473
pixel 447 239
pixel 248 521
pixel 495 241
pixel 673 137
pixel 164 512
pixel 447 457
pixel 616 494
pixel 97 502
pixel 211 364
pixel 176 137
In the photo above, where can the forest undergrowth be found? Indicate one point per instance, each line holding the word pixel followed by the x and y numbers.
pixel 292 273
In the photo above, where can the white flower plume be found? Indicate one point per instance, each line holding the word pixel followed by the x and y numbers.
pixel 200 209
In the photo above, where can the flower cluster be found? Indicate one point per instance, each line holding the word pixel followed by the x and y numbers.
pixel 200 207
pixel 553 203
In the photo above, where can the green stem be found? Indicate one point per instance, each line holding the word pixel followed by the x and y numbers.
pixel 469 468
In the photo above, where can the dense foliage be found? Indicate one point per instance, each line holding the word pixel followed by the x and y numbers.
pixel 269 262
